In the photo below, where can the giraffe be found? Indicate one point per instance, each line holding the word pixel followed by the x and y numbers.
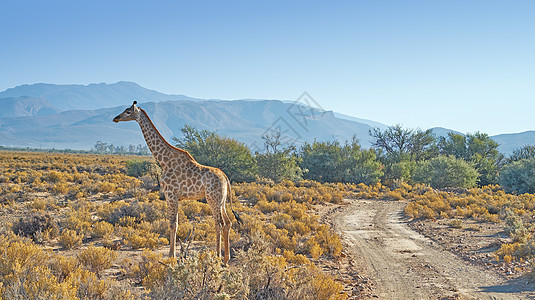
pixel 183 178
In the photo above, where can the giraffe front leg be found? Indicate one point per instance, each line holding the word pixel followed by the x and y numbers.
pixel 173 223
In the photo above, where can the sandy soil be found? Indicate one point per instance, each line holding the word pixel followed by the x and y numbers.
pixel 396 262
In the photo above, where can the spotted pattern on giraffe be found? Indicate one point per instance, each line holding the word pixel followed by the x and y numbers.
pixel 185 179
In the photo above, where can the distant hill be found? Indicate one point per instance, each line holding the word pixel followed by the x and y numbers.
pixel 88 97
pixel 26 106
pixel 76 116
pixel 511 141
pixel 440 131
pixel 363 121
pixel 245 121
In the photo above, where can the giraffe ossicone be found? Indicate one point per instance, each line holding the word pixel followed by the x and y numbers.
pixel 185 179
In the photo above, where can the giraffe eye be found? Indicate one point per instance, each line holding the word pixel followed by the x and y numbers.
pixel 128 112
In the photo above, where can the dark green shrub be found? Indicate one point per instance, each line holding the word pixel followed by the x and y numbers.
pixel 446 171
pixel 39 227
pixel 139 168
pixel 137 210
pixel 519 177
pixel 210 149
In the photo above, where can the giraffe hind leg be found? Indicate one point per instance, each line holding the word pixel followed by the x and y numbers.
pixel 226 232
pixel 218 234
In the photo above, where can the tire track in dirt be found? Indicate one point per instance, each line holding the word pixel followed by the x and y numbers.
pixel 404 264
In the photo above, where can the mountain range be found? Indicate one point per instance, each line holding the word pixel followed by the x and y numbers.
pixel 77 116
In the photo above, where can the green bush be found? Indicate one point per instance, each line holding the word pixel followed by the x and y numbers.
pixel 519 177
pixel 333 162
pixel 477 148
pixel 278 166
pixel 139 168
pixel 525 152
pixel 360 166
pixel 446 171
pixel 209 148
pixel 402 170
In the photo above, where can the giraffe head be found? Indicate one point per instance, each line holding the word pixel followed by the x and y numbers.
pixel 129 114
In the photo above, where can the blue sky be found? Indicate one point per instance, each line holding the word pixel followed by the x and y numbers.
pixel 464 65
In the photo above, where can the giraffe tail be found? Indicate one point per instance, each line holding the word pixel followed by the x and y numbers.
pixel 229 196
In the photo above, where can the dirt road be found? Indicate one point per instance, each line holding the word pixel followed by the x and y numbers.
pixel 404 264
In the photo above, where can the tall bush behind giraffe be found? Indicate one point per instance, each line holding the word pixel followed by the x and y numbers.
pixel 396 156
pixel 211 149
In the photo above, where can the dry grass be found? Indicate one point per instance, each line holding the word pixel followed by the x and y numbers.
pixel 95 217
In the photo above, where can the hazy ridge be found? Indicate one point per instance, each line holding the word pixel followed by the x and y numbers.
pixel 76 116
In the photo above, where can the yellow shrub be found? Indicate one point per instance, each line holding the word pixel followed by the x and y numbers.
pixel 39 283
pixel 205 230
pixel 88 284
pixel 507 251
pixel 149 271
pixel 38 203
pixel 193 208
pixel 127 221
pixel 60 188
pixel 315 251
pixel 154 196
pixel 329 241
pixel 79 220
pixel 298 259
pixel 105 187
pixel 138 238
pixel 286 197
pixel 103 230
pixel 183 230
pixel 394 195
pixel 266 207
pixel 62 266
pixel 54 176
pixel 325 288
pixel 15 189
pixel 69 239
pixel 105 210
pixel 96 259
pixel 23 269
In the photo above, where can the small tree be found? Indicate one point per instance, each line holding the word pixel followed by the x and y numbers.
pixel 400 148
pixel 526 152
pixel 477 148
pixel 139 168
pixel 360 166
pixel 278 163
pixel 209 148
pixel 446 171
pixel 332 162
pixel 402 143
pixel 322 161
pixel 518 177
pixel 403 170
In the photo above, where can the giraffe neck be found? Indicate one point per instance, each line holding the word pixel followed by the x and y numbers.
pixel 159 147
